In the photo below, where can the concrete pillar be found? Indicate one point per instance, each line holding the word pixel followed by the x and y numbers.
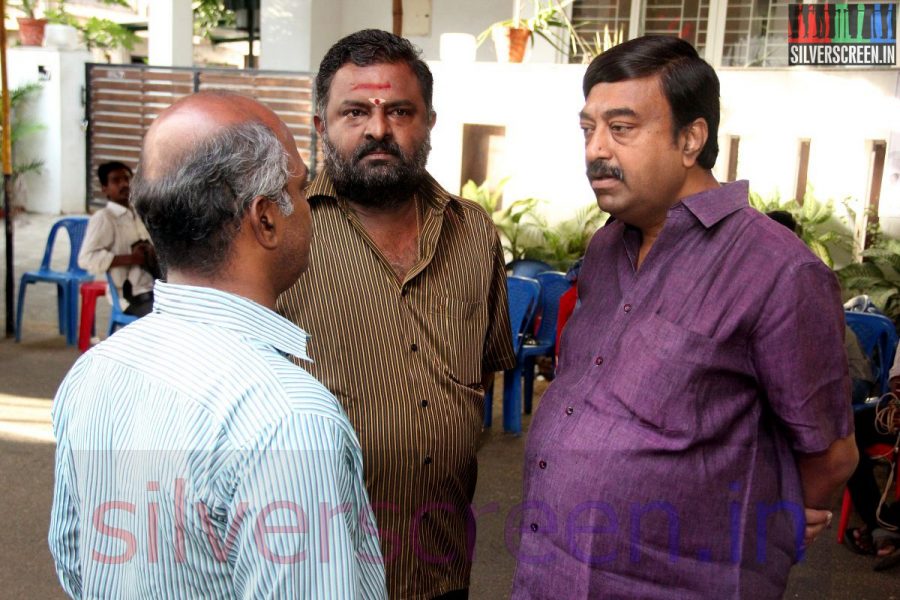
pixel 294 34
pixel 171 33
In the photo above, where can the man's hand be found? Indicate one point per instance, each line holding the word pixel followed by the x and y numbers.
pixel 817 521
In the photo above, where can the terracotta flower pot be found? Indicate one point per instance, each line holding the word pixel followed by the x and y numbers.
pixel 31 31
pixel 518 39
pixel 510 42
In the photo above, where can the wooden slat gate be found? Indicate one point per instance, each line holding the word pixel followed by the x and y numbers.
pixel 122 100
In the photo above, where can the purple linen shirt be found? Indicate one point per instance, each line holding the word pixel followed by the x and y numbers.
pixel 661 461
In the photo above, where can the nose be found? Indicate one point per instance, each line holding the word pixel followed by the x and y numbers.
pixel 597 145
pixel 378 127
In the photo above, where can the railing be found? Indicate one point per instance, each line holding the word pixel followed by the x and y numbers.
pixel 121 102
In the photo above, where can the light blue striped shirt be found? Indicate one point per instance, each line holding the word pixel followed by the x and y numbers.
pixel 194 460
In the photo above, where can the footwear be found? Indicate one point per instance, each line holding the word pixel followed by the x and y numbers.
pixel 883 562
pixel 859 541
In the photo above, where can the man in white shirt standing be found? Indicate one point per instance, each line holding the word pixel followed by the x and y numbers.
pixel 117 241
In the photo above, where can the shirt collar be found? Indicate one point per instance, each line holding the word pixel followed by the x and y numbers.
pixel 230 311
pixel 437 197
pixel 116 208
pixel 711 206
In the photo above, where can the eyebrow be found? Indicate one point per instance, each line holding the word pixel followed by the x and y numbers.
pixel 609 114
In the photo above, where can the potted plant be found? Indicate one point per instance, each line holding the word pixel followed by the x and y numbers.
pixel 548 21
pixel 22 127
pixel 103 35
pixel 31 28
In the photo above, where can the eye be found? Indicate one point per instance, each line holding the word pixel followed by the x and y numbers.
pixel 587 130
pixel 620 128
pixel 354 113
pixel 401 112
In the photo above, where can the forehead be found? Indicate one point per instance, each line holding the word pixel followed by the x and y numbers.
pixel 643 96
pixel 389 81
pixel 118 174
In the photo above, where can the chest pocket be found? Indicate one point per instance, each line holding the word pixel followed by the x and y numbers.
pixel 669 377
pixel 458 330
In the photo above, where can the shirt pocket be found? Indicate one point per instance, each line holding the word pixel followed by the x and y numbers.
pixel 664 376
pixel 458 330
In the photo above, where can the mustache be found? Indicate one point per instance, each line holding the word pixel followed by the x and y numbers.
pixel 384 145
pixel 601 168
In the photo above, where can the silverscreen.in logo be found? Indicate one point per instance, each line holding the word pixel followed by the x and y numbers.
pixel 842 34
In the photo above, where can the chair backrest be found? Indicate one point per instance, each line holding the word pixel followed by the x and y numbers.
pixel 527 268
pixel 524 295
pixel 76 228
pixel 553 285
pixel 878 338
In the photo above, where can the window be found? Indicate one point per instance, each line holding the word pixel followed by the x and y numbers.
pixel 756 33
pixel 600 23
pixel 686 19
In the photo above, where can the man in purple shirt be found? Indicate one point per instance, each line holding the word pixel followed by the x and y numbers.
pixel 700 422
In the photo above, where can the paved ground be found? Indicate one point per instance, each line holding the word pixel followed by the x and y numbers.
pixel 31 371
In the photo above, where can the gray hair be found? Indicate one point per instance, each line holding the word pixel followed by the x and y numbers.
pixel 193 210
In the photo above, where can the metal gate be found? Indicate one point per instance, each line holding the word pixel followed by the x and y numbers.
pixel 122 101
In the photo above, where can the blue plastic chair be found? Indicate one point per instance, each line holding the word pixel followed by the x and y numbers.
pixel 878 338
pixel 553 285
pixel 67 282
pixel 117 318
pixel 524 296
pixel 527 268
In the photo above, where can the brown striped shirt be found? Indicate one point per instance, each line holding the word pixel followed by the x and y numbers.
pixel 406 360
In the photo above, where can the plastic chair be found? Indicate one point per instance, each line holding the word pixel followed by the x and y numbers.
pixel 527 268
pixel 524 295
pixel 90 291
pixel 117 318
pixel 553 285
pixel 67 282
pixel 878 338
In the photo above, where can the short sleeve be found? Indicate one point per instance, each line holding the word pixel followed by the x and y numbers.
pixel 798 351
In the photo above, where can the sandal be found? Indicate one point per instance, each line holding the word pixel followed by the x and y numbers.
pixel 859 541
pixel 885 541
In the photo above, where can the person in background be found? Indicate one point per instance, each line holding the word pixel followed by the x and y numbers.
pixel 117 241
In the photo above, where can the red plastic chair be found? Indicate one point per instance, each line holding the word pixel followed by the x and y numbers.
pixel 89 293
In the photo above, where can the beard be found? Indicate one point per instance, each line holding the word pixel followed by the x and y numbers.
pixel 377 185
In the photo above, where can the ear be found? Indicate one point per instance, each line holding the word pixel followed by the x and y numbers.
pixel 262 217
pixel 319 123
pixel 432 119
pixel 692 140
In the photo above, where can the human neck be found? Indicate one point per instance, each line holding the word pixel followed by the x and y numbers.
pixel 226 281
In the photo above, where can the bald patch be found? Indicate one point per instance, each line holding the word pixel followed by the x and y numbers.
pixel 194 120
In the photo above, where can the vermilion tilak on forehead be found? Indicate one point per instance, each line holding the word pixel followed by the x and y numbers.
pixel 371 86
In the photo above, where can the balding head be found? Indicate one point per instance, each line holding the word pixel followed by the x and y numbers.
pixel 203 161
pixel 179 128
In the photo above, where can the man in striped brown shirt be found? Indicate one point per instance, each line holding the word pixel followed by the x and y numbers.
pixel 405 299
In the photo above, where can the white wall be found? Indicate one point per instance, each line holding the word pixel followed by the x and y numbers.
pixel 60 187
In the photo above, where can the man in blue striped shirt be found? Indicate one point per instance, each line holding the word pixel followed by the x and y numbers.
pixel 194 460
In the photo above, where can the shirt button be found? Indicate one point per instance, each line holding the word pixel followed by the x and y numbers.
pixel 598 361
pixel 569 410
pixel 627 308
pixel 424 403
pixel 543 464
pixel 534 527
pixel 427 460
pixel 414 348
